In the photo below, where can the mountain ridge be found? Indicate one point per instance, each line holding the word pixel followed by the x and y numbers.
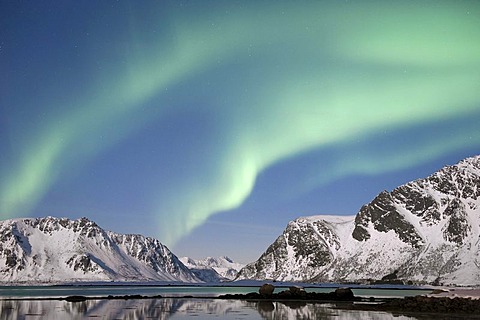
pixel 213 269
pixel 49 250
pixel 426 231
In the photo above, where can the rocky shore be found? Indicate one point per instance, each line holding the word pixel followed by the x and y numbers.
pixel 295 293
pixel 444 302
pixel 423 304
pixel 407 305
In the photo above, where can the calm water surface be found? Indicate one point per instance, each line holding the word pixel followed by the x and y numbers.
pixel 171 291
pixel 182 308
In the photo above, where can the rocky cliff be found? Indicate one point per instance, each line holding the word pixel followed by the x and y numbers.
pixel 426 231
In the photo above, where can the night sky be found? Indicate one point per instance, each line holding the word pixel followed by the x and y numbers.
pixel 211 124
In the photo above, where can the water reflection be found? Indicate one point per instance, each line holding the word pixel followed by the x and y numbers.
pixel 179 308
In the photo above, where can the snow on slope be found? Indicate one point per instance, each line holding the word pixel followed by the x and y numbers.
pixel 426 231
pixel 213 269
pixel 59 250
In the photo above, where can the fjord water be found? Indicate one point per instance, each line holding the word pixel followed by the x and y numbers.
pixel 176 308
pixel 175 305
pixel 173 291
pixel 185 308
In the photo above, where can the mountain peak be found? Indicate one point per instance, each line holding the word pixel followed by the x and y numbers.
pixel 213 269
pixel 424 231
pixel 50 249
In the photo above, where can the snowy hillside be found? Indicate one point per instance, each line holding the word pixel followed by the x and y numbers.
pixel 426 231
pixel 58 250
pixel 213 269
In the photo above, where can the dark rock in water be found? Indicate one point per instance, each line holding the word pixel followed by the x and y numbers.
pixel 295 294
pixel 76 298
pixel 297 291
pixel 438 291
pixel 266 290
pixel 133 296
pixel 344 294
pixel 286 294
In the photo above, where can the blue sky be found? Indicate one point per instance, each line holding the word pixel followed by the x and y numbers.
pixel 209 125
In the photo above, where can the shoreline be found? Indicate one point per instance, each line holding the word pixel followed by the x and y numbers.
pixel 456 301
pixel 232 284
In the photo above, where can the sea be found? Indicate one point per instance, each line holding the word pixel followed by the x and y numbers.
pixel 184 302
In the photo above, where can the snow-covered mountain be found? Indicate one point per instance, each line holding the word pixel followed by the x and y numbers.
pixel 59 250
pixel 213 269
pixel 426 231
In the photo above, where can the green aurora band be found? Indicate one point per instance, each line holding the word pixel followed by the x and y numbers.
pixel 318 75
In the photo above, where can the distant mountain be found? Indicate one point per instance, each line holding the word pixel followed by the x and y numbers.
pixel 213 269
pixel 62 250
pixel 426 231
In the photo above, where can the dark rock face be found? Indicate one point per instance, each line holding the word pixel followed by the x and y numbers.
pixel 384 216
pixel 48 225
pixel 11 241
pixel 307 246
pixel 11 258
pixel 420 203
pixel 82 262
pixel 457 227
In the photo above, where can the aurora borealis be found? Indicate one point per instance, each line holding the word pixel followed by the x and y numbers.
pixel 210 124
